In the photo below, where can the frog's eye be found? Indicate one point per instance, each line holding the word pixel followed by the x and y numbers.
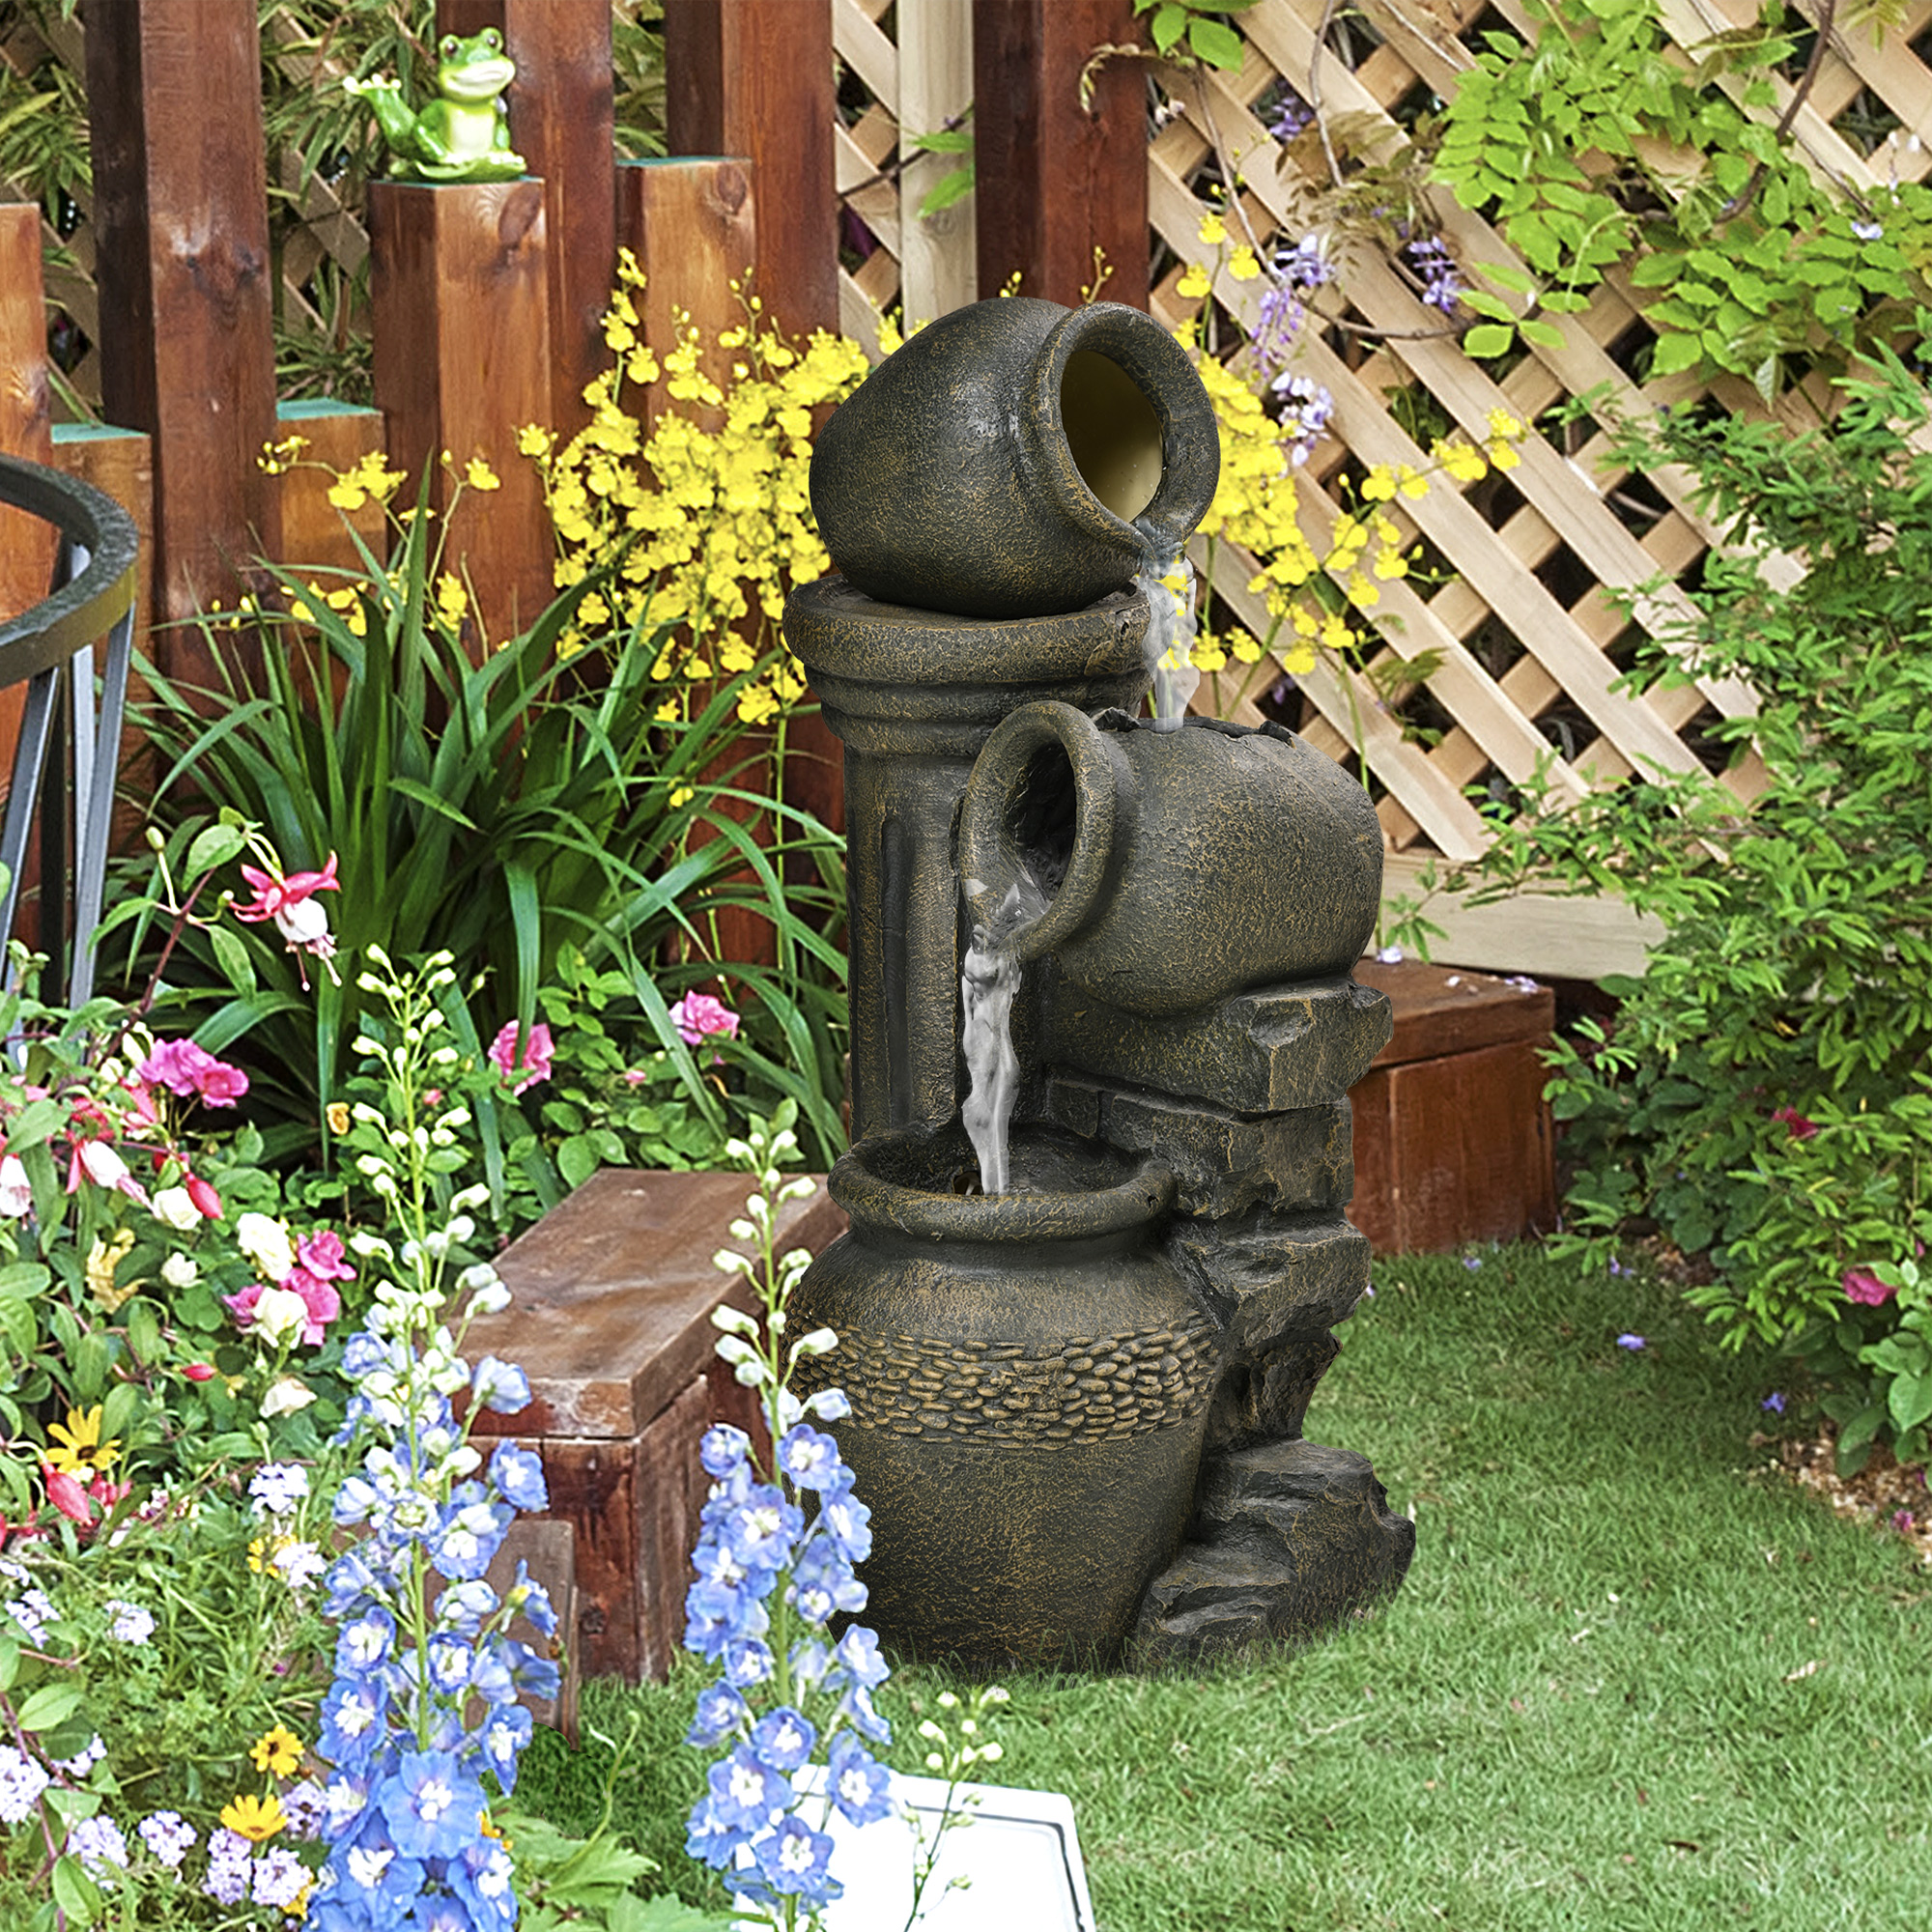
pixel 493 40
pixel 449 45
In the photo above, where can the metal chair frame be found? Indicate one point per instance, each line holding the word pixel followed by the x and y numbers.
pixel 92 595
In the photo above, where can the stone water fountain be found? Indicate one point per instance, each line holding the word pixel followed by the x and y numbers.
pixel 1080 1338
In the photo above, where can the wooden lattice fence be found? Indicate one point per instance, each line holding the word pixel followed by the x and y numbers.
pixel 1528 640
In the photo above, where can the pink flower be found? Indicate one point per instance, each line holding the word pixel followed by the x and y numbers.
pixel 243 1306
pixel 633 1076
pixel 183 1069
pixel 199 1372
pixel 97 1163
pixel 1795 1123
pixel 321 1300
pixel 1901 1521
pixel 68 1496
pixel 203 1197
pixel 290 901
pixel 1864 1288
pixel 321 1255
pixel 699 1014
pixel 535 1064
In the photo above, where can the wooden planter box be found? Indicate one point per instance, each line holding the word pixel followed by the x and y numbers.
pixel 612 1321
pixel 1452 1139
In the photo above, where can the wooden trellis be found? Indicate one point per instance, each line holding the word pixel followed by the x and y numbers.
pixel 893 90
pixel 1529 639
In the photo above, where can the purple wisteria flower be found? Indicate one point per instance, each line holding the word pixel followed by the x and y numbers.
pixel 1307 409
pixel 1290 116
pixel 1294 275
pixel 1441 281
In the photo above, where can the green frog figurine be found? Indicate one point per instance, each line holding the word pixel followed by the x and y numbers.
pixel 462 134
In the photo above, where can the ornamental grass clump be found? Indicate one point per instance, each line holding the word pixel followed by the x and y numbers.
pixel 770 1578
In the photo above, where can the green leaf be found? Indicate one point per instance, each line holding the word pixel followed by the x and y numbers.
pixel 75 1892
pixel 1169 24
pixel 1675 351
pixel 49 1705
pixel 666 1912
pixel 949 189
pixel 1910 1401
pixel 1217 43
pixel 1485 303
pixel 1488 338
pixel 1545 335
pixel 1505 277
pixel 232 956
pixel 216 845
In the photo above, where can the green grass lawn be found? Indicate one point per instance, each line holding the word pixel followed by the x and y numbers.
pixel 1634 1682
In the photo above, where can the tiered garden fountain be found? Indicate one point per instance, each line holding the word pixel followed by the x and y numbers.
pixel 1103 1028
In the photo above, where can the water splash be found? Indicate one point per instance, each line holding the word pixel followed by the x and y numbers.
pixel 987 983
pixel 1166 580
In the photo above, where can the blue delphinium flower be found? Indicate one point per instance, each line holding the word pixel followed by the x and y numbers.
pixel 423 1722
pixel 773 1565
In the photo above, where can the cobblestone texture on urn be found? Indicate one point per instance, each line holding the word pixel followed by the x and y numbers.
pixel 1079 1379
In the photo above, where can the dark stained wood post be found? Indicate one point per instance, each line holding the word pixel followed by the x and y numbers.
pixel 180 229
pixel 562 117
pixel 1053 184
pixel 26 412
pixel 754 77
pixel 692 222
pixel 460 305
pixel 338 436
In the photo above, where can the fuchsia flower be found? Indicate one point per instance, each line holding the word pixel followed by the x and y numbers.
pixel 1795 1123
pixel 97 1163
pixel 202 1196
pixel 68 1496
pixel 320 1262
pixel 533 1065
pixel 698 1015
pixel 184 1069
pixel 1865 1289
pixel 289 899
pixel 199 1372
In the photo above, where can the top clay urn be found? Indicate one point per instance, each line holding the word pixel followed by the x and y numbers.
pixel 1016 459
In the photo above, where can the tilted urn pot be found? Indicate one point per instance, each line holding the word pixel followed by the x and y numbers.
pixel 1178 866
pixel 1016 459
pixel 1030 1380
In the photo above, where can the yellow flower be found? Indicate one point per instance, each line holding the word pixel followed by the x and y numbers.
pixel 1462 462
pixel 81 1453
pixel 480 476
pixel 683 795
pixel 1299 660
pixel 1503 425
pixel 1194 283
pixel 256 1819
pixel 103 1260
pixel 1503 456
pixel 277 1752
pixel 1212 232
pixel 338 1116
pixel 533 440
pixel 346 492
pixel 452 600
pixel 1242 265
pixel 667 713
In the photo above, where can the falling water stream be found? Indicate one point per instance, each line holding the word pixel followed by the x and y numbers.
pixel 991 973
pixel 986 985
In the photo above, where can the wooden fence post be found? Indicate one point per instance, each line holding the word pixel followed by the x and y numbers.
pixel 562 118
pixel 692 222
pixel 26 410
pixel 937 253
pixel 180 232
pixel 460 305
pixel 1053 184
pixel 754 77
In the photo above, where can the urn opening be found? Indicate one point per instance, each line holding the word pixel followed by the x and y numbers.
pixel 1113 433
pixel 1043 816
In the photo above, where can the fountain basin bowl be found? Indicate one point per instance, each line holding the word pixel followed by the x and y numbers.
pixel 1030 1379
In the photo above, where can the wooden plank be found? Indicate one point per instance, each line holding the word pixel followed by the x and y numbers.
pixel 1530 932
pixel 938 256
pixel 181 231
pixel 692 222
pixel 1055 183
pixel 748 77
pixel 27 545
pixel 667 1501
pixel 859 42
pixel 562 115
pixel 459 296
pixel 1438 1009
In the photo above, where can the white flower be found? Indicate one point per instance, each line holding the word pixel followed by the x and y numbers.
pixel 175 1208
pixel 265 1242
pixel 17 1195
pixel 289 1393
pixel 279 1315
pixel 179 1271
pixel 104 1167
pixel 305 923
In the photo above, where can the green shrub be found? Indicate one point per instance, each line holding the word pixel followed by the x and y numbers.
pixel 1766 1093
